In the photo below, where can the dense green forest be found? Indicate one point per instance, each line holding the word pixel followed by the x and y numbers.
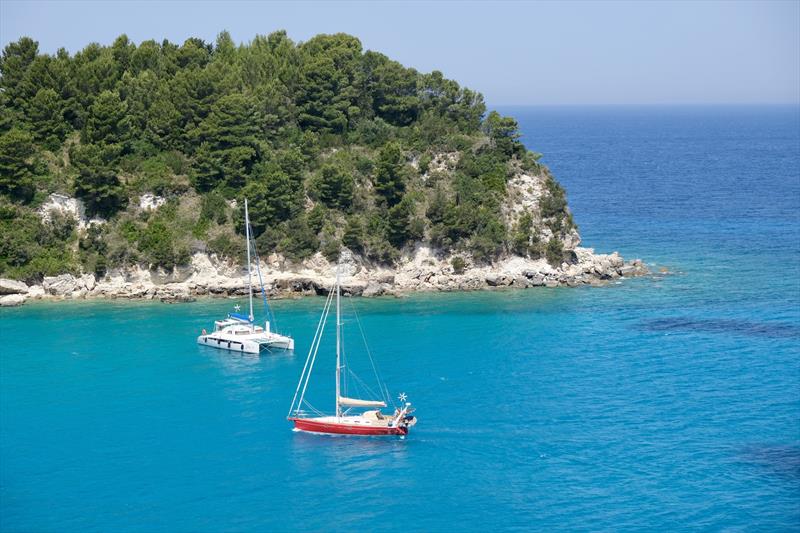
pixel 331 145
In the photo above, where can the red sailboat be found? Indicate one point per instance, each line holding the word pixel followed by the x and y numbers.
pixel 348 419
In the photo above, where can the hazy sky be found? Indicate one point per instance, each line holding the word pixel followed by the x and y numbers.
pixel 513 52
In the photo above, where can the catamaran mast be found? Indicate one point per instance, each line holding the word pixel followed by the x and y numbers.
pixel 338 343
pixel 249 275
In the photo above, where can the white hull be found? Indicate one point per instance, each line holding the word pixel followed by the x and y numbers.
pixel 246 343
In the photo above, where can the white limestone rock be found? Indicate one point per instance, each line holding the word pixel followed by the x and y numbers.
pixel 36 292
pixel 67 206
pixel 10 286
pixel 64 205
pixel 151 202
pixel 88 281
pixel 12 300
pixel 62 285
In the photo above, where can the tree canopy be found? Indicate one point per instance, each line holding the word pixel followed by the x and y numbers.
pixel 330 144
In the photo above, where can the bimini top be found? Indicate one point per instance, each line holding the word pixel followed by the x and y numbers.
pixel 239 317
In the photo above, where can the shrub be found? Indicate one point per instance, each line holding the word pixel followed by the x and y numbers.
pixel 299 241
pixel 92 248
pixel 459 265
pixel 554 251
pixel 521 235
pixel 554 202
pixel 317 217
pixel 537 249
pixel 159 245
pixel 30 249
pixel 375 132
pixel 353 237
pixel 214 208
pixel 530 161
pixel 401 225
pixel 488 240
pixel 331 250
pixel 228 245
pixel 424 162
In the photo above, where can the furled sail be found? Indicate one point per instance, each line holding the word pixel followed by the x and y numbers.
pixel 353 402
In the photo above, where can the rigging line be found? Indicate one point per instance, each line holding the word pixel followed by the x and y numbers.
pixel 305 366
pixel 354 383
pixel 367 388
pixel 343 353
pixel 355 387
pixel 270 315
pixel 326 313
pixel 369 353
pixel 319 325
pixel 391 400
pixel 317 411
pixel 316 349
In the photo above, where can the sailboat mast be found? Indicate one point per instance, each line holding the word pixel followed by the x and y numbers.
pixel 249 274
pixel 338 342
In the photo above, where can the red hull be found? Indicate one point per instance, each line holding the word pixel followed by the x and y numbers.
pixel 313 426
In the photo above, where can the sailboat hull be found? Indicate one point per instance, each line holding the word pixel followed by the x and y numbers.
pixel 330 426
pixel 254 344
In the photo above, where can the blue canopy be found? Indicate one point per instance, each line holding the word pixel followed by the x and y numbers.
pixel 240 317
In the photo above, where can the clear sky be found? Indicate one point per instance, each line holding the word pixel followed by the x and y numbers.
pixel 513 52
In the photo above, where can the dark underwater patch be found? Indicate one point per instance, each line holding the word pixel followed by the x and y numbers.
pixel 740 327
pixel 783 461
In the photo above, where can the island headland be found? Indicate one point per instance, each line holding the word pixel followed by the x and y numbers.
pixel 123 171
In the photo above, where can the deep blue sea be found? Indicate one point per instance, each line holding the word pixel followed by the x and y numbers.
pixel 670 402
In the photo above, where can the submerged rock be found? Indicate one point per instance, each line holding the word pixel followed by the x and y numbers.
pixel 177 298
pixel 373 289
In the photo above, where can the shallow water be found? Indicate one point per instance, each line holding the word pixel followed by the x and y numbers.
pixel 666 402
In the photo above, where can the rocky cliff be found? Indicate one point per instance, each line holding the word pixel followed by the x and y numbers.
pixel 422 268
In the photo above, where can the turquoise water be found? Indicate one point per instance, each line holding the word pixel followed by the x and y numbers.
pixel 670 402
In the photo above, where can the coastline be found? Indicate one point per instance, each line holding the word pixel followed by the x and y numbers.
pixel 424 271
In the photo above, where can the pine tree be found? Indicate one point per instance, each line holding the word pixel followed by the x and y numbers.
pixel 330 94
pixel 47 121
pixel 231 132
pixel 16 59
pixel 97 182
pixel 16 169
pixel 206 171
pixel 273 198
pixel 390 178
pixel 335 187
pixel 107 121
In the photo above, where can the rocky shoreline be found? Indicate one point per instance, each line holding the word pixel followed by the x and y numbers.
pixel 424 271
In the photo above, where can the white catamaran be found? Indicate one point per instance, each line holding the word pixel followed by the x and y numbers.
pixel 239 333
pixel 345 421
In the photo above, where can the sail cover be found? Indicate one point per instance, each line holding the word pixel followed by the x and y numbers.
pixel 353 402
pixel 239 316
